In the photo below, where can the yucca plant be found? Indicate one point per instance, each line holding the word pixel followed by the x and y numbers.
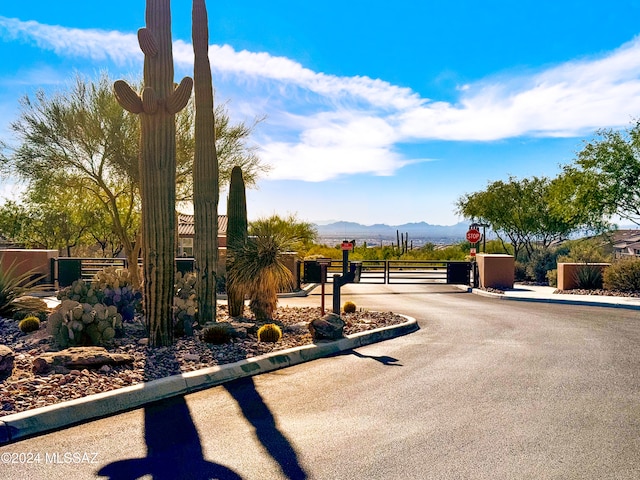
pixel 259 270
pixel 589 277
pixel 14 285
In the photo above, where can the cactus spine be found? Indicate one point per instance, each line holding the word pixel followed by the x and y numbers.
pixel 236 237
pixel 205 169
pixel 157 106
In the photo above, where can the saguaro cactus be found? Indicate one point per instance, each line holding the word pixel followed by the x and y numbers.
pixel 236 237
pixel 205 169
pixel 157 106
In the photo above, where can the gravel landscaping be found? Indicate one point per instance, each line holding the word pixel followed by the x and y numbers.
pixel 24 389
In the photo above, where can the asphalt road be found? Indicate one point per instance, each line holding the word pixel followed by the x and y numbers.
pixel 486 389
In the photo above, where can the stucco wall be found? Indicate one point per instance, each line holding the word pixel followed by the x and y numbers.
pixel 496 270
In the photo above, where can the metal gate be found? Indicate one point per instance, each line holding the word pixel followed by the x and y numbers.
pixel 402 271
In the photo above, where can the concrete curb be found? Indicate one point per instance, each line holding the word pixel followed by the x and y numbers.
pixel 40 420
pixel 560 301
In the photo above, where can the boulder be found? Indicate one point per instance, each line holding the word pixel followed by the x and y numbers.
pixel 6 361
pixel 329 327
pixel 77 358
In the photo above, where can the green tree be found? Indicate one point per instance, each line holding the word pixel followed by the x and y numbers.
pixel 603 179
pixel 295 234
pixel 80 138
pixel 522 213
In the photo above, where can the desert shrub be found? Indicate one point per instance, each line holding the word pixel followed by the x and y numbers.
pixel 623 275
pixel 269 332
pixel 29 324
pixel 30 306
pixel 349 307
pixel 217 334
pixel 552 277
pixel 14 286
pixel 520 273
pixel 589 277
pixel 539 263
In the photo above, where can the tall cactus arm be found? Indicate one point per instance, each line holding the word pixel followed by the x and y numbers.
pixel 147 42
pixel 127 97
pixel 180 96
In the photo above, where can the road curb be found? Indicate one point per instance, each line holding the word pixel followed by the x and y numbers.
pixel 558 301
pixel 21 425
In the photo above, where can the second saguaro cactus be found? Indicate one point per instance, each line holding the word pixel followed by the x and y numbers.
pixel 205 169
pixel 236 237
pixel 157 105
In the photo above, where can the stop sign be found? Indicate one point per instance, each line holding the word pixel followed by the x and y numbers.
pixel 473 235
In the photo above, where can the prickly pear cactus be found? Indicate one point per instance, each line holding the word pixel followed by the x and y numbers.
pixel 157 105
pixel 185 303
pixel 74 323
pixel 205 169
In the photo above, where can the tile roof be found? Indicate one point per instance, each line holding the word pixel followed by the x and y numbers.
pixel 185 225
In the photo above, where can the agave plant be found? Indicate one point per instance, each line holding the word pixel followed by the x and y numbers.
pixel 259 269
pixel 14 286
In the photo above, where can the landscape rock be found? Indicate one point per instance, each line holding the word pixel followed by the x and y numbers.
pixel 6 361
pixel 76 358
pixel 329 327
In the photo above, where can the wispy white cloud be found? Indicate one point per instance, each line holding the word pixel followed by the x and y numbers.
pixel 323 126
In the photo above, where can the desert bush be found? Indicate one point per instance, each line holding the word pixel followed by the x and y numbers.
pixel 14 286
pixel 30 306
pixel 623 275
pixel 539 263
pixel 552 277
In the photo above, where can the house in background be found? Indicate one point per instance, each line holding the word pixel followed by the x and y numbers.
pixel 186 232
pixel 626 243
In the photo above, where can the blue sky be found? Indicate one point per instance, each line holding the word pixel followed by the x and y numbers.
pixel 376 112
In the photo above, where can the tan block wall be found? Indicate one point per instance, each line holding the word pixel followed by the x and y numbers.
pixel 38 261
pixel 567 273
pixel 496 270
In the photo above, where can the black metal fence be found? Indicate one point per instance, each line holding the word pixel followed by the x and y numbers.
pixel 66 270
pixel 395 271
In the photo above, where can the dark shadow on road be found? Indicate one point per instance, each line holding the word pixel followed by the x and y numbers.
pixel 383 359
pixel 174 450
pixel 258 414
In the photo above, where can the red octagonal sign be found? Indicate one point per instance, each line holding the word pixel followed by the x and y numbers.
pixel 473 235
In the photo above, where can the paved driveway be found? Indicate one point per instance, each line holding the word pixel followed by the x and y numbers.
pixel 486 389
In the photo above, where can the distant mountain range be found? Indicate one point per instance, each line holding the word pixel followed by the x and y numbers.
pixel 420 230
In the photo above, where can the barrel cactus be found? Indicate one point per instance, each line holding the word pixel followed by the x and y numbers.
pixel 269 332
pixel 29 324
pixel 217 333
pixel 349 307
